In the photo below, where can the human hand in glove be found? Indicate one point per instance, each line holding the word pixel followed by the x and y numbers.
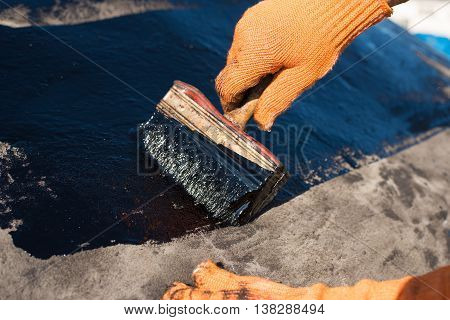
pixel 297 41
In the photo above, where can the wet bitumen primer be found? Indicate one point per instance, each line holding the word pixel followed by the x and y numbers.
pixel 71 120
pixel 232 188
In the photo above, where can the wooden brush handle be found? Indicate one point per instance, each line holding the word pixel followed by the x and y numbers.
pixel 242 115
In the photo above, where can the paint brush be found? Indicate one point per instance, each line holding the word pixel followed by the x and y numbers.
pixel 223 168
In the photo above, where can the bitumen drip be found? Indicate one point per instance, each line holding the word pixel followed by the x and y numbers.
pixel 82 169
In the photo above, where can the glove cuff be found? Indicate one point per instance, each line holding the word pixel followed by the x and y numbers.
pixel 352 17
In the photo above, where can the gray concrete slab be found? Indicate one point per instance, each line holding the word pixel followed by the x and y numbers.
pixel 382 221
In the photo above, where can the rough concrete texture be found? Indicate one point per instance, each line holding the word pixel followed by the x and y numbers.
pixel 382 221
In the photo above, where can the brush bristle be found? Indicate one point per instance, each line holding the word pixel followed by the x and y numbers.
pixel 230 187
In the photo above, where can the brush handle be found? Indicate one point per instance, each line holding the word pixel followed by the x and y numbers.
pixel 242 115
pixel 187 105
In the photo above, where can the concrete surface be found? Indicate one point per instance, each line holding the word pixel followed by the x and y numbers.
pixel 382 221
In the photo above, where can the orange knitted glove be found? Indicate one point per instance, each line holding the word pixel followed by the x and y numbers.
pixel 297 40
pixel 214 283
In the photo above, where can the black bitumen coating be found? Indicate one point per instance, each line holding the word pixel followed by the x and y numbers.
pixel 77 124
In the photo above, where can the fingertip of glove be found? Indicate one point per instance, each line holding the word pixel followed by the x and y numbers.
pixel 267 126
pixel 268 110
pixel 230 106
pixel 230 90
pixel 223 86
pixel 264 120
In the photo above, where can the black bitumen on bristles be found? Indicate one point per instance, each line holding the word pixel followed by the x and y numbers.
pixel 230 187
